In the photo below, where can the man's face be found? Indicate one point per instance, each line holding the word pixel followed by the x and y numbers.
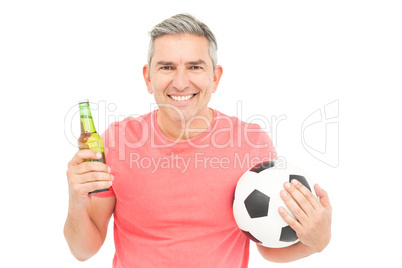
pixel 181 76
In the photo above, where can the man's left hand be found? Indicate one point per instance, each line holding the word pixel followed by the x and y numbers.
pixel 313 217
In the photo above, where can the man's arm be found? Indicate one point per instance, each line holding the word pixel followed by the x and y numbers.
pixel 85 231
pixel 313 224
pixel 287 254
pixel 88 217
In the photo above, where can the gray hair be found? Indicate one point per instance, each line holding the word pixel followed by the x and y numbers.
pixel 183 24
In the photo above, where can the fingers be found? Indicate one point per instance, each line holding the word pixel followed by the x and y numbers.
pixel 290 202
pixel 84 177
pixel 93 170
pixel 323 195
pixel 82 184
pixel 292 222
pixel 93 177
pixel 91 166
pixel 300 201
pixel 94 185
pixel 307 194
pixel 83 155
pixel 89 172
pixel 313 217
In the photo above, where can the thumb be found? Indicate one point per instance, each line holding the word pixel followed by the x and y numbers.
pixel 323 195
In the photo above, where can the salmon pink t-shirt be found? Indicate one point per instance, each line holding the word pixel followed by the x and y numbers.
pixel 174 199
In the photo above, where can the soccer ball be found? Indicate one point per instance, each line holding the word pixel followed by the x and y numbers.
pixel 257 199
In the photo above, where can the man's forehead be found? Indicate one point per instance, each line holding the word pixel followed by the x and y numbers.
pixel 181 49
pixel 171 46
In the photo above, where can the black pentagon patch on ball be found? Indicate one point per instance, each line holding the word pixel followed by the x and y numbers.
pixel 301 179
pixel 257 204
pixel 262 166
pixel 288 234
pixel 249 235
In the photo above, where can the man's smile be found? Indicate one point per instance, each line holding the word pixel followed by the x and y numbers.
pixel 181 97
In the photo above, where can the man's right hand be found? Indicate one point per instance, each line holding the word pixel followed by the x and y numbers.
pixel 85 177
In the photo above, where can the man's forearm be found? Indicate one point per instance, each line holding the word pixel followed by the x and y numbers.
pixel 82 235
pixel 287 254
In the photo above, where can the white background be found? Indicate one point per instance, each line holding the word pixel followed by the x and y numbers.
pixel 282 58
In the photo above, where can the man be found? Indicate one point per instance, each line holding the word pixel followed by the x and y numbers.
pixel 175 169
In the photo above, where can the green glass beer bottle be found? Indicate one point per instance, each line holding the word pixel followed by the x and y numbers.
pixel 89 138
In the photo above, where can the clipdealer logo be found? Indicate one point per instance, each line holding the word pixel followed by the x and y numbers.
pixel 104 114
pixel 198 161
pixel 319 131
pixel 320 134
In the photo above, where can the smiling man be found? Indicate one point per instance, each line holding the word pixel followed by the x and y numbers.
pixel 173 171
pixel 182 77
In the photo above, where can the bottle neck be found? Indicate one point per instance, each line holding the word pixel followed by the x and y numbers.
pixel 87 124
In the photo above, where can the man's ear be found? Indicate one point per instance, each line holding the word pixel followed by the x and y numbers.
pixel 147 78
pixel 217 77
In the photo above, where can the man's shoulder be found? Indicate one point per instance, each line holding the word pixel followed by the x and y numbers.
pixel 132 127
pixel 133 121
pixel 234 120
pixel 250 132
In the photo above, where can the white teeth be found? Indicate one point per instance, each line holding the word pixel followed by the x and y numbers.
pixel 181 98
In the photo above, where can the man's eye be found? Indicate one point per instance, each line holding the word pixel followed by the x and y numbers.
pixel 166 68
pixel 195 67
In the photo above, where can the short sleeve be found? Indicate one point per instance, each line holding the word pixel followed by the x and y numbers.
pixel 267 150
pixel 108 193
pixel 260 141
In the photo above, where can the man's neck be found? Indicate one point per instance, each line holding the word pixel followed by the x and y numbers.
pixel 182 131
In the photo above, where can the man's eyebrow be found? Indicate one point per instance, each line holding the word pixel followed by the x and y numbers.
pixel 165 63
pixel 169 63
pixel 197 62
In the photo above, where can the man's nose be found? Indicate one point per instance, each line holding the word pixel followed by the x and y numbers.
pixel 181 80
